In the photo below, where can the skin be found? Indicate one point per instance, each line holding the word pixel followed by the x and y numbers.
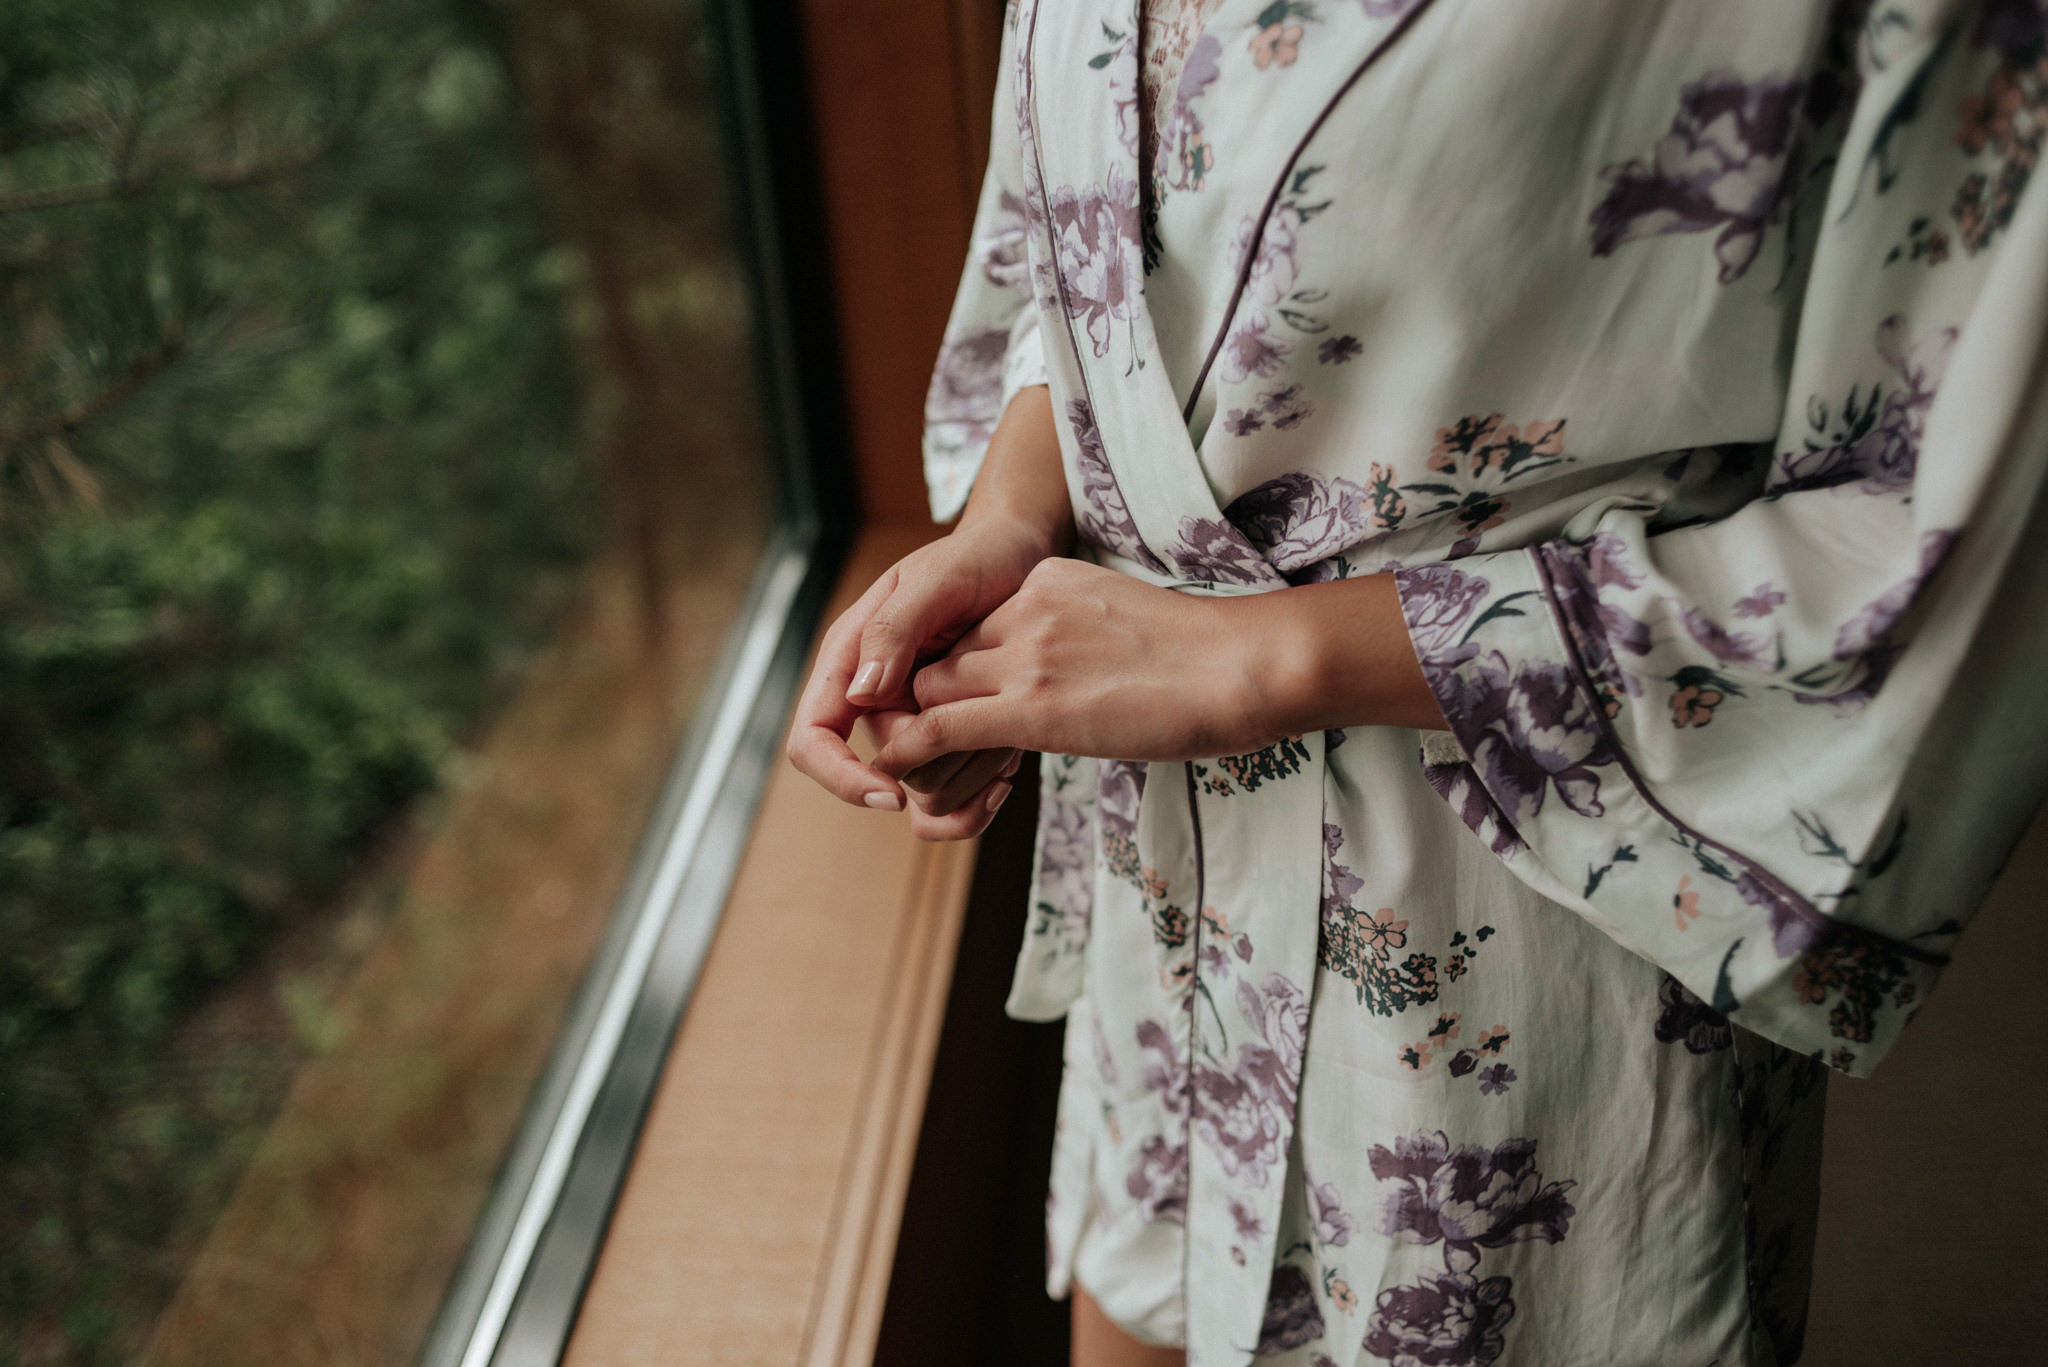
pixel 990 642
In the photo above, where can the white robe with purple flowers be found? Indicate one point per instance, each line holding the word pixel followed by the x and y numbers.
pixel 1686 363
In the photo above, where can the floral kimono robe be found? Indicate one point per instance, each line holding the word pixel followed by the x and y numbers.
pixel 1685 363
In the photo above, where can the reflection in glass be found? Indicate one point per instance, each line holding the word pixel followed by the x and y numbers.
pixel 379 473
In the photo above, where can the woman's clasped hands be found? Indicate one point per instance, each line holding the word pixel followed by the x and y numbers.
pixel 990 642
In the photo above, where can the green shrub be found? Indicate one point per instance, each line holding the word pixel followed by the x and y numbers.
pixel 291 483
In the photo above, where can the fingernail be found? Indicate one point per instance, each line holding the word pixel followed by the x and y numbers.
pixel 868 680
pixel 996 795
pixel 882 800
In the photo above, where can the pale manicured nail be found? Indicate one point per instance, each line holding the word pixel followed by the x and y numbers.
pixel 868 680
pixel 996 795
pixel 882 800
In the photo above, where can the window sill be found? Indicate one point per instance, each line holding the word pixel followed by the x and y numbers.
pixel 758 1223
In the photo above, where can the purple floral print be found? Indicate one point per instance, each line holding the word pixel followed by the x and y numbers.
pixel 1529 729
pixel 1120 787
pixel 1333 1227
pixel 1450 1320
pixel 1066 857
pixel 1338 350
pixel 1182 157
pixel 1744 650
pixel 1210 550
pixel 1283 406
pixel 1105 521
pixel 1866 676
pixel 1761 603
pixel 1243 1113
pixel 1722 165
pixel 1468 1198
pixel 1438 601
pixel 1252 348
pixel 1458 784
pixel 1863 631
pixel 1292 1318
pixel 1158 1182
pixel 1095 232
pixel 1494 1081
pixel 1875 441
pixel 1301 518
pixel 967 383
pixel 1795 925
pixel 1687 1020
pixel 1597 629
pixel 1001 250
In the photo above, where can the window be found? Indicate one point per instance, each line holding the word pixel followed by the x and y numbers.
pixel 409 496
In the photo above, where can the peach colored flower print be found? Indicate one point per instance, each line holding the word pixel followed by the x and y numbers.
pixel 1693 705
pixel 1386 934
pixel 1685 904
pixel 1276 45
pixel 1343 1297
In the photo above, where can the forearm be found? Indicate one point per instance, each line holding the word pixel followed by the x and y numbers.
pixel 1022 480
pixel 1324 656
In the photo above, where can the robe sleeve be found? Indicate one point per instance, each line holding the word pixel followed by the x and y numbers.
pixel 1782 753
pixel 991 348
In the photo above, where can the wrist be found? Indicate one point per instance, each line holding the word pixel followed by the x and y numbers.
pixel 1282 683
pixel 1324 656
pixel 1032 534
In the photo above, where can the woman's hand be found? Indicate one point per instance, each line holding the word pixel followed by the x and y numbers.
pixel 914 612
pixel 1089 662
pixel 1086 661
pixel 1018 517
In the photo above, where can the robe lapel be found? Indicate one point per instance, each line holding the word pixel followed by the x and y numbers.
pixel 1258 836
pixel 1078 85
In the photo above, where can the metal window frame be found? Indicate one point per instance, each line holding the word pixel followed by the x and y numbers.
pixel 513 1300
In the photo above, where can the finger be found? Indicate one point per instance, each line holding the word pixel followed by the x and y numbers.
pixel 971 724
pixel 982 768
pixel 822 754
pixel 923 614
pixel 885 726
pixel 965 822
pixel 818 733
pixel 934 776
pixel 962 674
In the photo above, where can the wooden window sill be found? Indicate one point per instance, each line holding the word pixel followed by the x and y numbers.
pixel 759 1220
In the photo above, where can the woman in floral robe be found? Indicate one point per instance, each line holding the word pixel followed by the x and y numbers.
pixel 1556 671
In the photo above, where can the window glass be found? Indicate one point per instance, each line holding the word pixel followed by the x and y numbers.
pixel 379 475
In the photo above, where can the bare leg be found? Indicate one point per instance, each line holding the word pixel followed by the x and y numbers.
pixel 1099 1343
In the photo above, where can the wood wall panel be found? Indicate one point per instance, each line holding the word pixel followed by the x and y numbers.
pixel 900 93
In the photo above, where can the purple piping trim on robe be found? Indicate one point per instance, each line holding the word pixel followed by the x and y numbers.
pixel 1816 928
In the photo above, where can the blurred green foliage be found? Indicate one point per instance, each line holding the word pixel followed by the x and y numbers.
pixel 291 482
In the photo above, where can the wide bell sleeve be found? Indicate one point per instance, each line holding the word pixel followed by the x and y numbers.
pixel 1782 754
pixel 991 348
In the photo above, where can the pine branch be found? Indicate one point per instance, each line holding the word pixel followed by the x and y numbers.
pixel 35 135
pixel 120 187
pixel 144 369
